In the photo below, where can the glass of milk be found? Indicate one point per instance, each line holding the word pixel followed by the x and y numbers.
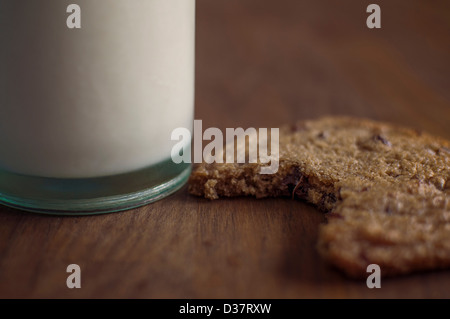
pixel 87 112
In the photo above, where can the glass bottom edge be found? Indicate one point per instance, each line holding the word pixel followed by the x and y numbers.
pixel 101 204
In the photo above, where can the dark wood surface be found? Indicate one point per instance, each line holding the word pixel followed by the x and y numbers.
pixel 260 63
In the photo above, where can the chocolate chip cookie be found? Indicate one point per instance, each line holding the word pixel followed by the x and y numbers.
pixel 385 190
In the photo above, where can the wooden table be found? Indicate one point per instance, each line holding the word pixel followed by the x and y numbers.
pixel 260 63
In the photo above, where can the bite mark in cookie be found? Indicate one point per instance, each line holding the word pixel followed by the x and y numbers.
pixel 386 190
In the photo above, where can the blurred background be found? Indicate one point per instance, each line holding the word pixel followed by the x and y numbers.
pixel 263 63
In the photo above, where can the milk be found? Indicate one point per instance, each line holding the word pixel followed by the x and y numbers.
pixel 96 101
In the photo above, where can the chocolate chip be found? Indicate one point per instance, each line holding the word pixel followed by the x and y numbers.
pixel 388 210
pixel 292 178
pixel 382 139
pixel 332 197
pixel 294 182
pixel 327 200
pixel 322 135
pixel 299 184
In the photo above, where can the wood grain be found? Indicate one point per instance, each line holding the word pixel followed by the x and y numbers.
pixel 260 63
